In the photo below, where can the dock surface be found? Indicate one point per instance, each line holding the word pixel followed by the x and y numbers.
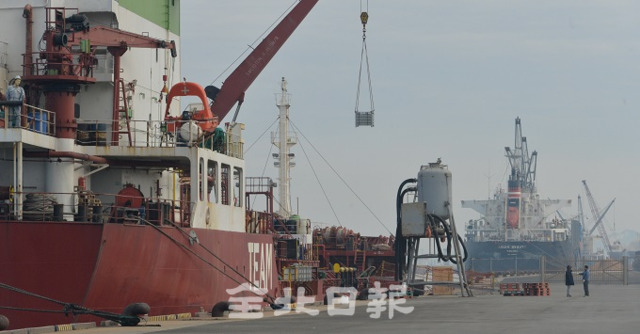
pixel 609 309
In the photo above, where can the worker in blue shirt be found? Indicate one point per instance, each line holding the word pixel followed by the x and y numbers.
pixel 585 280
pixel 15 93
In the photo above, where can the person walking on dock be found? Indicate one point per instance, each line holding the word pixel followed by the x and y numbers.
pixel 568 280
pixel 585 280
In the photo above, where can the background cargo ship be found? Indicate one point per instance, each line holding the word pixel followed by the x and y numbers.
pixel 518 227
pixel 113 195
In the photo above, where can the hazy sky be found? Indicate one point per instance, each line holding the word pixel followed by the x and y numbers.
pixel 449 78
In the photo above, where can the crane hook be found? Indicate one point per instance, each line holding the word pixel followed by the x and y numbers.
pixel 364 16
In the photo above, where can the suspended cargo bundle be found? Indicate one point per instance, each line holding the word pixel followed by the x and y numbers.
pixel 364 117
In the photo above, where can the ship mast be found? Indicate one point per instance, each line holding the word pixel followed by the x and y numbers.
pixel 284 158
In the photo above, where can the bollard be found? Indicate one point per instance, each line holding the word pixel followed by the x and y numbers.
pixel 57 212
pixel 82 213
pixel 95 217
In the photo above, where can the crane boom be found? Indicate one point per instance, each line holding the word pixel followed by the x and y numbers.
pixel 599 221
pixel 242 77
pixel 116 38
pixel 236 84
pixel 596 215
pixel 581 213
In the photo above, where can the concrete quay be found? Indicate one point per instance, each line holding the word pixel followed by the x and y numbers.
pixel 609 309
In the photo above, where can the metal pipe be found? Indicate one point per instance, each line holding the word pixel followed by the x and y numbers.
pixel 17 154
pixel 60 99
pixel 65 154
pixel 27 13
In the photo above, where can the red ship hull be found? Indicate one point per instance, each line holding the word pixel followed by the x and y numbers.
pixel 109 266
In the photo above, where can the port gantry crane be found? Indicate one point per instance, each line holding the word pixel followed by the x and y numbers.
pixel 598 217
pixel 523 166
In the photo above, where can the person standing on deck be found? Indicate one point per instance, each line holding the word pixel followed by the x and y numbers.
pixel 585 280
pixel 15 93
pixel 568 280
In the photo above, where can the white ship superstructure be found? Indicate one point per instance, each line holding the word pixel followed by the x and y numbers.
pixel 517 227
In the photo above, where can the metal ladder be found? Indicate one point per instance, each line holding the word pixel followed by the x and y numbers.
pixel 359 259
pixel 123 112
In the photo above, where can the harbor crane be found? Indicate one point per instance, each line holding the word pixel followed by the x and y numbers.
pixel 598 217
pixel 523 165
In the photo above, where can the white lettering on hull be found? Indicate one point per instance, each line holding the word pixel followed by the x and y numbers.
pixel 261 265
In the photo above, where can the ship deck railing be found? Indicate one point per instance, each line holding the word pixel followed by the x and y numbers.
pixel 42 67
pixel 32 118
pixel 134 133
pixel 102 208
pixel 89 207
pixel 158 133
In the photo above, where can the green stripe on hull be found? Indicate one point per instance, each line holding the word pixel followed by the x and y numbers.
pixel 165 13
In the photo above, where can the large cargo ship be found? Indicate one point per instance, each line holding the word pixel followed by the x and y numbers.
pixel 519 231
pixel 111 208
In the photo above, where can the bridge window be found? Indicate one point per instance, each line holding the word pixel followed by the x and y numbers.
pixel 225 184
pixel 201 178
pixel 238 186
pixel 212 181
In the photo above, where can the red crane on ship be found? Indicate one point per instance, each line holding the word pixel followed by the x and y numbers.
pixel 60 69
pixel 234 87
